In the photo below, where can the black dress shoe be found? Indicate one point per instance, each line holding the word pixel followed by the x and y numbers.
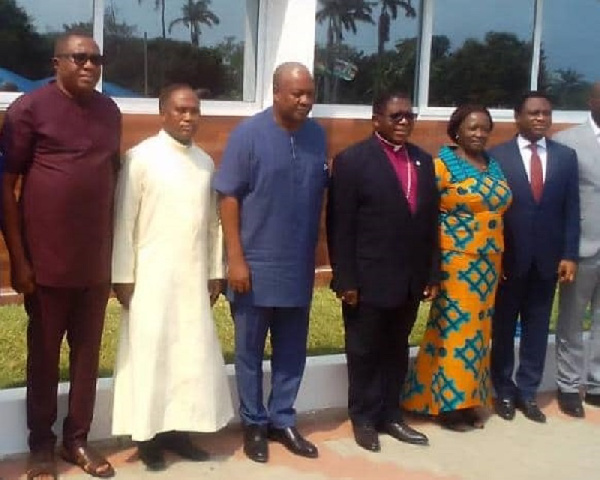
pixel 366 437
pixel 292 440
pixel 570 404
pixel 256 446
pixel 456 421
pixel 151 455
pixel 181 444
pixel 531 410
pixel 592 399
pixel 401 431
pixel 505 407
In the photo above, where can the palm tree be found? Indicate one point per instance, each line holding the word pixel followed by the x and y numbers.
pixel 194 14
pixel 389 11
pixel 162 5
pixel 340 15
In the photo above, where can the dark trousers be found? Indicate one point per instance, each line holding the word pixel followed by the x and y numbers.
pixel 54 312
pixel 377 356
pixel 530 298
pixel 289 329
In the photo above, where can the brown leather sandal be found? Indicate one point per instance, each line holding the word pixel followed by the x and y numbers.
pixel 88 459
pixel 41 464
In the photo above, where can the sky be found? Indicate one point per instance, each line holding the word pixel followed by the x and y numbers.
pixel 570 34
pixel 50 15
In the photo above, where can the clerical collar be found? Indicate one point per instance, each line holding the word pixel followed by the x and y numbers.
pixel 394 146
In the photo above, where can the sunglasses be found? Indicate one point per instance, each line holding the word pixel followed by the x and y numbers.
pixel 399 116
pixel 80 59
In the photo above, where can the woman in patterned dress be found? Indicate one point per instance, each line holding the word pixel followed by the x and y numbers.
pixel 451 375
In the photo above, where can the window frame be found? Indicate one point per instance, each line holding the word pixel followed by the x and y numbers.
pixel 149 106
pixel 421 94
pixel 297 17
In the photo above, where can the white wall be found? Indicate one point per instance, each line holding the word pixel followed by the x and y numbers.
pixel 324 385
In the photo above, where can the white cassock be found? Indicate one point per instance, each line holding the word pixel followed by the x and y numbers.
pixel 169 373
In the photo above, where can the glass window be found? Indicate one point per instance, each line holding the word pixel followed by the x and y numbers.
pixel 481 52
pixel 363 47
pixel 27 35
pixel 570 46
pixel 152 43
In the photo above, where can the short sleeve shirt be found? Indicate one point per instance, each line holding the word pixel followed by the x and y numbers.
pixel 279 179
pixel 67 152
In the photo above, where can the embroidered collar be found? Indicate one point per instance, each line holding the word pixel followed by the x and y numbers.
pixel 461 170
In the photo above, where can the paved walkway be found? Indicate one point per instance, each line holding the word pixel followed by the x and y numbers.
pixel 562 449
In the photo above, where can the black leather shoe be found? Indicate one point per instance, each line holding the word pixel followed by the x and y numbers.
pixel 151 455
pixel 181 444
pixel 570 404
pixel 401 431
pixel 256 446
pixel 531 410
pixel 592 399
pixel 505 408
pixel 366 437
pixel 455 420
pixel 292 440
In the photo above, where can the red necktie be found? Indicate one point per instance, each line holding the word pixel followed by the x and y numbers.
pixel 537 177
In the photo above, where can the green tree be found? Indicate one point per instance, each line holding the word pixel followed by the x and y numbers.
pixel 22 49
pixel 568 89
pixel 195 14
pixel 493 71
pixel 231 53
pixel 340 16
pixel 389 12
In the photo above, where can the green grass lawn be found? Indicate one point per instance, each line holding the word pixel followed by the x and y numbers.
pixel 326 335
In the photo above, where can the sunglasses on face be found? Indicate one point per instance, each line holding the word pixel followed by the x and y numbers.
pixel 400 116
pixel 81 58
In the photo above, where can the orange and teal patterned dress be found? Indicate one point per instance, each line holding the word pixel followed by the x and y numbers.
pixel 452 368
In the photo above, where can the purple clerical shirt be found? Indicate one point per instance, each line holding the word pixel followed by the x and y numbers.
pixel 67 152
pixel 405 171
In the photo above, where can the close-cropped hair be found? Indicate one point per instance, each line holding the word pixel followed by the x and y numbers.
pixel 381 100
pixel 531 94
pixel 62 40
pixel 166 92
pixel 462 112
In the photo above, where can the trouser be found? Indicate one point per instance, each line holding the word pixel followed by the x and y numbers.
pixel 528 297
pixel 288 328
pixel 573 302
pixel 377 355
pixel 54 312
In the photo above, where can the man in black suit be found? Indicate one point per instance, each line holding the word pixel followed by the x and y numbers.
pixel 382 236
pixel 541 233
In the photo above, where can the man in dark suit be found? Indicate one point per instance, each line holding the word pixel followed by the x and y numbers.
pixel 541 245
pixel 382 231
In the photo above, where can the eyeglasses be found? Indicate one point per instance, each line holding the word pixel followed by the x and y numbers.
pixel 399 116
pixel 81 58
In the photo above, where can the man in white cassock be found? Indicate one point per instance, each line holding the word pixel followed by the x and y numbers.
pixel 170 376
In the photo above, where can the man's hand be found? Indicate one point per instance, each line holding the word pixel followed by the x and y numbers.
pixel 566 271
pixel 22 277
pixel 430 292
pixel 349 297
pixel 238 276
pixel 124 292
pixel 215 288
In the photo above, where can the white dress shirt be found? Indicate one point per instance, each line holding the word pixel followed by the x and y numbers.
pixel 525 149
pixel 595 128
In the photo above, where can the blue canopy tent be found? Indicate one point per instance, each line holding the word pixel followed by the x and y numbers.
pixel 21 83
